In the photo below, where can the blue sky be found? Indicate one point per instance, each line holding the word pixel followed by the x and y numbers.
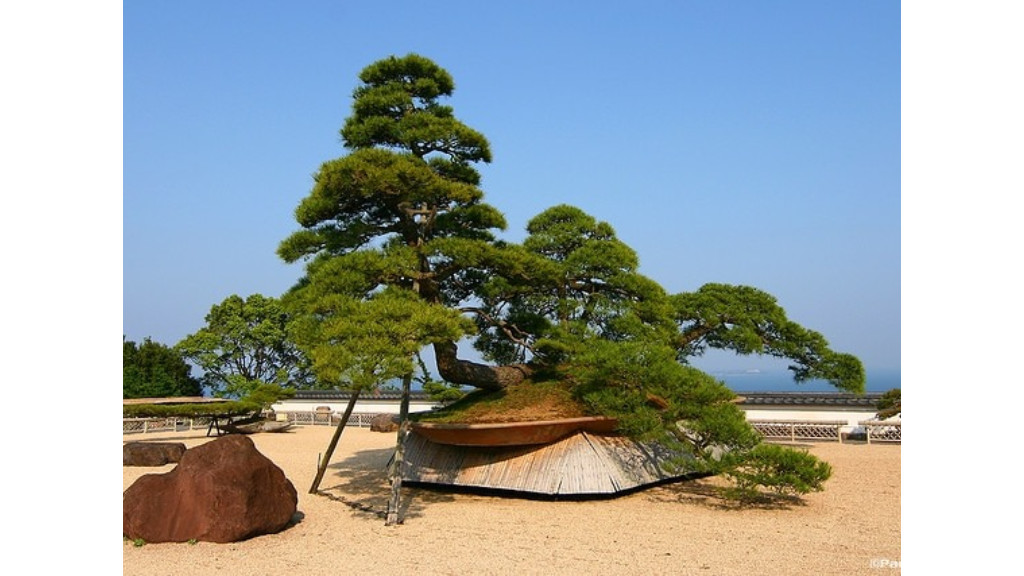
pixel 753 143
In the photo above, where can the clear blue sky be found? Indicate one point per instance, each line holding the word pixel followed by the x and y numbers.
pixel 752 143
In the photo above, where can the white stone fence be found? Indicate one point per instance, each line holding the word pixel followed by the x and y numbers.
pixel 877 431
pixel 310 418
pixel 325 418
pixel 793 430
pixel 144 425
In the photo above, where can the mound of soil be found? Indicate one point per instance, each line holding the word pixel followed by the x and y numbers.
pixel 526 402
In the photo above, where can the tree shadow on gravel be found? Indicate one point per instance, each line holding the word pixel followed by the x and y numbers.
pixel 714 494
pixel 361 483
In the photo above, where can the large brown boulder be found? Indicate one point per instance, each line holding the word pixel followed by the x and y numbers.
pixel 222 491
pixel 152 453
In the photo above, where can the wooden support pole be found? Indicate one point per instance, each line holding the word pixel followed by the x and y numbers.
pixel 334 442
pixel 399 460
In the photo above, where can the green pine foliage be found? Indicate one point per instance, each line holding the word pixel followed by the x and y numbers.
pixel 400 253
pixel 779 470
pixel 746 321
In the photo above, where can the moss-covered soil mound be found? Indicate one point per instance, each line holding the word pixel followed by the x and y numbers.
pixel 526 402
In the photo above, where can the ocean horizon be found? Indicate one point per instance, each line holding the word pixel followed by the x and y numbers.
pixel 755 380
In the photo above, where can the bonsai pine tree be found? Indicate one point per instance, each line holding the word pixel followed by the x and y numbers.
pixel 397 230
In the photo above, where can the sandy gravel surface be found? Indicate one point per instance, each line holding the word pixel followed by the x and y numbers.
pixel 853 527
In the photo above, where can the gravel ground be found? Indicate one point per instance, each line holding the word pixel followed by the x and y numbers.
pixel 852 527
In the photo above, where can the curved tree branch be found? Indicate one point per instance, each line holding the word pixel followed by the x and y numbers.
pixel 482 376
pixel 511 330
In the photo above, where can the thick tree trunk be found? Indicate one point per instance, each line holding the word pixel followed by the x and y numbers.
pixel 478 375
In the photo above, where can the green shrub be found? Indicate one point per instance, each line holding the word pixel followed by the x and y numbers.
pixel 780 470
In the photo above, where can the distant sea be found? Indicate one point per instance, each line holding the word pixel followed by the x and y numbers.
pixel 775 380
pixel 782 381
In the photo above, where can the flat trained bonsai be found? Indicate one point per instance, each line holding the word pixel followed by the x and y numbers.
pixel 401 255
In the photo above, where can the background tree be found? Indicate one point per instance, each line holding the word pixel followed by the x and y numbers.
pixel 244 344
pixel 154 370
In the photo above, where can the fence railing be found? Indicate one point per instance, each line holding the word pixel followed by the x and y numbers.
pixel 794 430
pixel 311 418
pixel 883 431
pixel 144 425
pixel 322 418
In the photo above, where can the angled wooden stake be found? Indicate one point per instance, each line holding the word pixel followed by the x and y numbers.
pixel 396 464
pixel 334 443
